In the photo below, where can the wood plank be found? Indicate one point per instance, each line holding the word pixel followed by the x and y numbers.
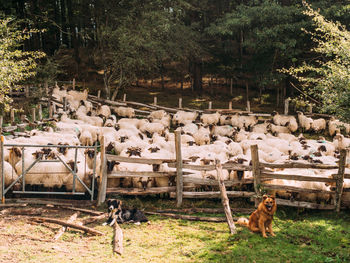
pixel 228 166
pixel 295 189
pixel 87 211
pixel 304 204
pixel 123 174
pixel 297 177
pixel 205 181
pixel 117 239
pixel 298 165
pixel 103 174
pixel 140 191
pixel 64 228
pixel 112 157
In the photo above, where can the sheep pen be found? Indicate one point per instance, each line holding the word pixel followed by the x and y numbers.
pixel 138 155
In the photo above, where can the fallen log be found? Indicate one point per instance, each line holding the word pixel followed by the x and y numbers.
pixel 206 210
pixel 91 220
pixel 190 218
pixel 87 211
pixel 64 228
pixel 117 239
pixel 23 212
pixel 63 223
pixel 12 205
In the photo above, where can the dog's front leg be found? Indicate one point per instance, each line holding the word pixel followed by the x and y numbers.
pixel 269 228
pixel 262 227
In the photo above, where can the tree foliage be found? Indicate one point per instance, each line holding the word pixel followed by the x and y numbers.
pixel 327 78
pixel 15 65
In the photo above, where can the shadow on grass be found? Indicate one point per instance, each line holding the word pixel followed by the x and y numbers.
pixel 309 236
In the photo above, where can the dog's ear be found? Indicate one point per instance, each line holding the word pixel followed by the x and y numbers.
pixel 272 197
pixel 265 197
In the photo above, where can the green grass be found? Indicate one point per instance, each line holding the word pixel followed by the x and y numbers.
pixel 301 236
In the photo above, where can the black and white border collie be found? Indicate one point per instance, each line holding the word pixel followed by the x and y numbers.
pixel 119 214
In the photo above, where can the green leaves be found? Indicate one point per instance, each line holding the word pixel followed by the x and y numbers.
pixel 328 78
pixel 15 65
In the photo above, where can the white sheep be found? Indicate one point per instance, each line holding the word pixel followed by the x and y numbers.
pixel 212 118
pixel 318 125
pixel 9 173
pixel 184 117
pixel 103 110
pixel 305 122
pixel 276 129
pixel 125 111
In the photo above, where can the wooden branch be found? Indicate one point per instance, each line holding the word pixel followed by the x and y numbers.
pixel 117 239
pixel 63 223
pixel 298 165
pixel 224 198
pixel 87 211
pixel 304 204
pixel 297 177
pixel 63 229
pixel 91 220
pixel 42 202
pixel 190 218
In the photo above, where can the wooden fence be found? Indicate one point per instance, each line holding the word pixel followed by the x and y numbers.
pixel 261 172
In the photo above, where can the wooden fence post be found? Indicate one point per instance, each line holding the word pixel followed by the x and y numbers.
pixel 46 85
pixel 231 86
pixel 73 84
pixel 64 103
pixel 50 109
pixel 124 97
pixel 248 105
pixel 154 100
pixel 12 117
pixel 33 115
pixel 210 105
pixel 224 199
pixel 256 171
pixel 286 106
pixel 102 188
pixel 340 180
pixel 98 93
pixel 26 90
pixel 180 103
pixel 179 177
pixel 40 112
pixel 230 105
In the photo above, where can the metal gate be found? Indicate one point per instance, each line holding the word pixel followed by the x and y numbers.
pixel 40 159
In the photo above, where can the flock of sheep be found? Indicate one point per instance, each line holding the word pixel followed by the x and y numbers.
pixel 204 138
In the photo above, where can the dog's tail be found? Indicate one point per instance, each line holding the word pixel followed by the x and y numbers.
pixel 242 221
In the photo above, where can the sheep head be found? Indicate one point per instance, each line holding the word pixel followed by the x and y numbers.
pixel 134 151
pixel 123 138
pixel 111 165
pixel 110 147
pixel 90 153
pixel 153 149
pixel 144 181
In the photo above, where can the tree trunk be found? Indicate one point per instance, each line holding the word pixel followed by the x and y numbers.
pixel 106 84
pixel 197 77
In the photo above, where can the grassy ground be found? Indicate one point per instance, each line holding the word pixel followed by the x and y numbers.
pixel 302 236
